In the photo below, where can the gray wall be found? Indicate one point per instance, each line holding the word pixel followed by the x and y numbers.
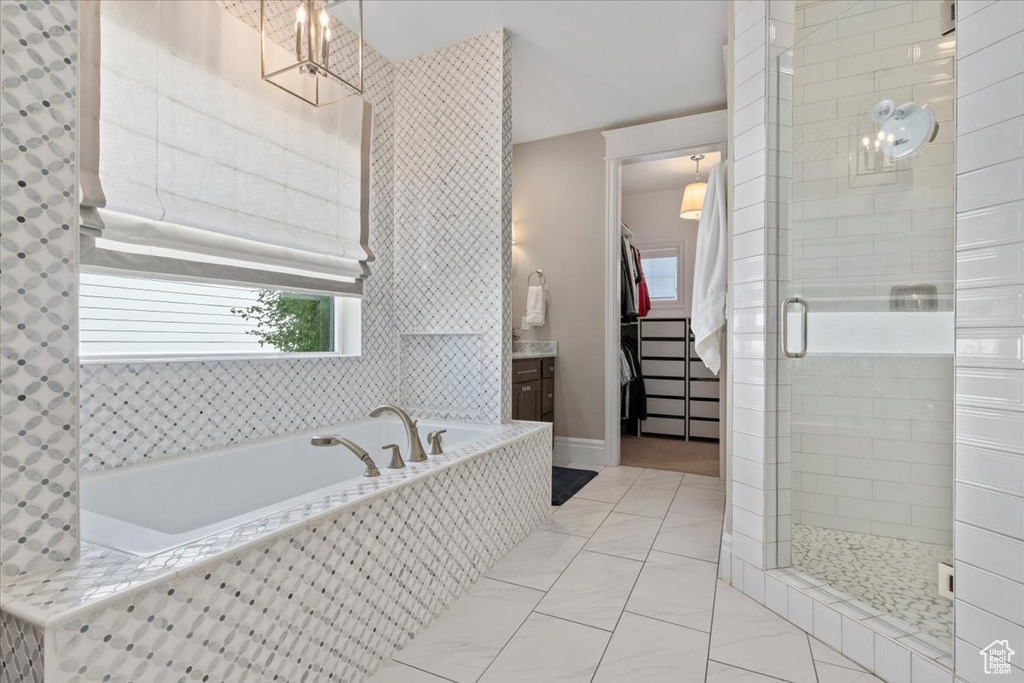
pixel 558 208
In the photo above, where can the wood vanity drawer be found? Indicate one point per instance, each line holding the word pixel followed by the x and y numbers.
pixel 526 370
pixel 547 367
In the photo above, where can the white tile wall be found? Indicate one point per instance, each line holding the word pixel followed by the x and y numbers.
pixel 989 529
pixel 748 378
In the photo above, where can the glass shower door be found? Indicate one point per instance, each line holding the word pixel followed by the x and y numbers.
pixel 862 124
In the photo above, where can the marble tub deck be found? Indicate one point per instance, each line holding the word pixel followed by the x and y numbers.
pixel 620 584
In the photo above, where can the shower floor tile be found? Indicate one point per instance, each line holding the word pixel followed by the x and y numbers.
pixel 894 577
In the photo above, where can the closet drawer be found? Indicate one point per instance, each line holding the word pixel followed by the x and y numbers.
pixel 664 368
pixel 704 430
pixel 664 349
pixel 698 369
pixel 676 407
pixel 663 328
pixel 665 387
pixel 663 425
pixel 703 409
pixel 525 370
pixel 703 390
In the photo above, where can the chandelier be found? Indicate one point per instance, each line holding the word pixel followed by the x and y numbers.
pixel 313 49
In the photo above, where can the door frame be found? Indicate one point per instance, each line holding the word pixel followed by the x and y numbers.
pixel 685 135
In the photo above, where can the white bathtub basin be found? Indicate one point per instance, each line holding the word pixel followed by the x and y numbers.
pixel 147 509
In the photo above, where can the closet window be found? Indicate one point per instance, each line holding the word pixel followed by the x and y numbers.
pixel 661 268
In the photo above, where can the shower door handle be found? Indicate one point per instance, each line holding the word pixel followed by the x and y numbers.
pixel 784 325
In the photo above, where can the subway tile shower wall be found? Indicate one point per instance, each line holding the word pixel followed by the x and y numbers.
pixel 871 438
pixel 988 532
pixel 38 286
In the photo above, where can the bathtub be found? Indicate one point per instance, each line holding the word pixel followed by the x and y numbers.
pixel 147 509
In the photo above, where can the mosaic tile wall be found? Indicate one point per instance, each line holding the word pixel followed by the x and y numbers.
pixel 21 651
pixel 38 286
pixel 330 600
pixel 135 412
pixel 453 221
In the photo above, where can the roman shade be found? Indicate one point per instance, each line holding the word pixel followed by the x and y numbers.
pixel 193 168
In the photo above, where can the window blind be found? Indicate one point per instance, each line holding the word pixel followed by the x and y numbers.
pixel 206 173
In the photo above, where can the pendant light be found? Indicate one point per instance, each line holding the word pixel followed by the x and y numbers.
pixel 313 49
pixel 693 195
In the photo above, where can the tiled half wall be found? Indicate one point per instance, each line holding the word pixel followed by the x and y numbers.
pixel 328 601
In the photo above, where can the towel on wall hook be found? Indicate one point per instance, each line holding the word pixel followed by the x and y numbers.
pixel 535 304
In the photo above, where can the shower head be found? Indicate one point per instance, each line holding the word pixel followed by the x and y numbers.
pixel 903 130
pixel 322 441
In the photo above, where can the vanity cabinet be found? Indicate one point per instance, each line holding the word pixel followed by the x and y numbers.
pixel 533 389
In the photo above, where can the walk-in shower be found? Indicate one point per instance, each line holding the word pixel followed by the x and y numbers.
pixel 861 234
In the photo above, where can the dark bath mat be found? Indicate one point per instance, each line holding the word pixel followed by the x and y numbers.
pixel 566 483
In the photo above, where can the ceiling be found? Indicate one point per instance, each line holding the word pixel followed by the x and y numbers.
pixel 575 65
pixel 665 174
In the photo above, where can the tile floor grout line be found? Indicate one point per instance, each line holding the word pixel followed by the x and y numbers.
pixel 429 673
pixel 814 663
pixel 665 621
pixel 753 671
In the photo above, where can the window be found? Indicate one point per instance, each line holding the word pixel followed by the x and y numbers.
pixel 133 317
pixel 661 269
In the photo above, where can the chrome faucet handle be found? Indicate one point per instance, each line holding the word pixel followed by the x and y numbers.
pixel 434 439
pixel 396 456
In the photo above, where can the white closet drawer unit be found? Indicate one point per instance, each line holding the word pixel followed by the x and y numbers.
pixel 666 406
pixel 664 425
pixel 698 369
pixel 663 328
pixel 704 409
pixel 664 349
pixel 704 390
pixel 667 387
pixel 704 430
pixel 664 368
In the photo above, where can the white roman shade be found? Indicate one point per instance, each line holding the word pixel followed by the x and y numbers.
pixel 205 172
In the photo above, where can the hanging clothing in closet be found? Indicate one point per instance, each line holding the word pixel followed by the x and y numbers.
pixel 634 393
pixel 635 297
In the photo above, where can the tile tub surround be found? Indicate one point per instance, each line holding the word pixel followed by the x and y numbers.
pixel 554 609
pixel 333 586
pixel 534 349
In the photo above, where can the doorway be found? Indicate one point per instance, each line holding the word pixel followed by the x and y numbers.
pixel 664 409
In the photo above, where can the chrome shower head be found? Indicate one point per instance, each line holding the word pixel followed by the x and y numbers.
pixel 322 441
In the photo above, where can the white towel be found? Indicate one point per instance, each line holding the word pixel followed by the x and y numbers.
pixel 707 310
pixel 535 305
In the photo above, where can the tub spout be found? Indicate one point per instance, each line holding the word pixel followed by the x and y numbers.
pixel 331 440
pixel 416 452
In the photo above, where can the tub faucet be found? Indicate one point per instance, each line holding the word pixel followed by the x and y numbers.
pixel 331 440
pixel 416 452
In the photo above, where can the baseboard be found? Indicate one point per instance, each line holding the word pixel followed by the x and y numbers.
pixel 585 451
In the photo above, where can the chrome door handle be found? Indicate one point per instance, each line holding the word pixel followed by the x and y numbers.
pixel 784 327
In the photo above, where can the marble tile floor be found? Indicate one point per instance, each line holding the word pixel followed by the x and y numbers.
pixel 618 586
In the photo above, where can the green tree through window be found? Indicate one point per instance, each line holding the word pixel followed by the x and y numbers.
pixel 291 323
